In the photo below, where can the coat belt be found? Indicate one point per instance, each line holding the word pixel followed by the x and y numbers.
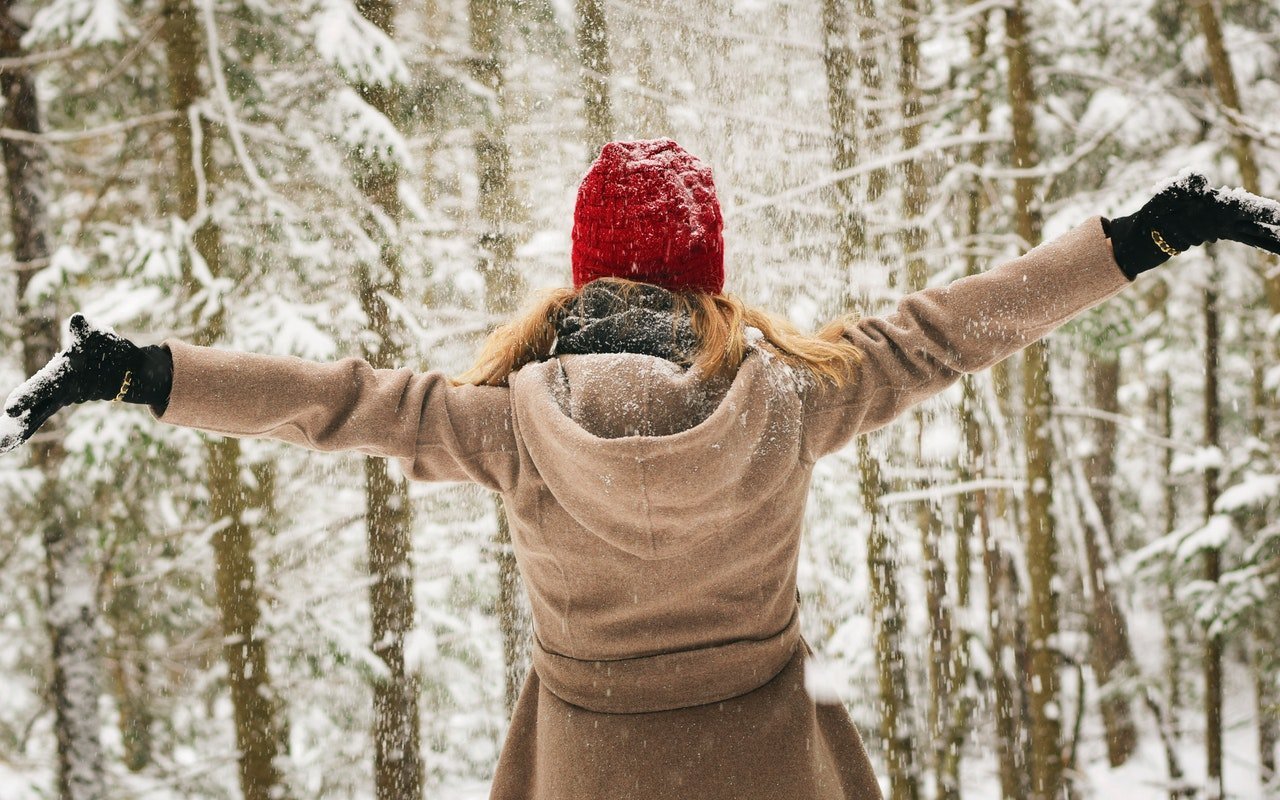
pixel 667 681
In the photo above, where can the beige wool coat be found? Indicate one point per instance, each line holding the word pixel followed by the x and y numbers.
pixel 656 519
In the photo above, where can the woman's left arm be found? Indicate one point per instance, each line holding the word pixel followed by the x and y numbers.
pixel 438 431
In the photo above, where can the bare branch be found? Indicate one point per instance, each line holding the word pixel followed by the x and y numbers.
pixel 129 57
pixel 36 59
pixel 68 137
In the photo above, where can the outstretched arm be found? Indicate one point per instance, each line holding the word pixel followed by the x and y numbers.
pixel 938 334
pixel 99 365
pixel 437 430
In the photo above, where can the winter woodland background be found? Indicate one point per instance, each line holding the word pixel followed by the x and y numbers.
pixel 1062 576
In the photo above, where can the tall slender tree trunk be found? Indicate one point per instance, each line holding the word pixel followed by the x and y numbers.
pixel 1224 80
pixel 258 730
pixel 842 70
pixel 871 31
pixel 940 658
pixel 1042 545
pixel 1212 558
pixel 1174 674
pixel 1242 146
pixel 593 54
pixel 975 509
pixel 1262 659
pixel 1002 617
pixel 1160 407
pixel 889 621
pixel 839 64
pixel 397 759
pixel 651 118
pixel 498 211
pixel 1110 651
pixel 130 668
pixel 1264 639
pixel 71 615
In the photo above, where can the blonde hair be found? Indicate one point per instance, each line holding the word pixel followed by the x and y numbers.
pixel 719 323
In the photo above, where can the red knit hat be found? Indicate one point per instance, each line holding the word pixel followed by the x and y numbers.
pixel 647 211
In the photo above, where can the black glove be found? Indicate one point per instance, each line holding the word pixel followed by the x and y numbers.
pixel 94 367
pixel 1187 213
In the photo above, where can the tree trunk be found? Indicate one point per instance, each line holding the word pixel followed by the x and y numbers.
pixel 1002 615
pixel 888 620
pixel 975 507
pixel 593 54
pixel 1212 558
pixel 838 62
pixel 1042 545
pixel 71 613
pixel 129 662
pixel 1224 79
pixel 1262 659
pixel 496 202
pixel 651 117
pixel 886 602
pixel 871 29
pixel 497 210
pixel 1178 790
pixel 1167 716
pixel 397 760
pixel 1110 652
pixel 1264 639
pixel 258 731
pixel 940 663
pixel 130 669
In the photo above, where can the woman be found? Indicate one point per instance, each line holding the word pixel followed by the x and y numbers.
pixel 653 440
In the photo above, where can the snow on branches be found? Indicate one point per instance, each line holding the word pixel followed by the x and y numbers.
pixel 348 41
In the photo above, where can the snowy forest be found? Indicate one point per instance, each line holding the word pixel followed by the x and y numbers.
pixel 1059 579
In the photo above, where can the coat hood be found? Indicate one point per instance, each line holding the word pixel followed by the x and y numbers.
pixel 653 457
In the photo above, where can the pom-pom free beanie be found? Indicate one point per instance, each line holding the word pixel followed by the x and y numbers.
pixel 647 211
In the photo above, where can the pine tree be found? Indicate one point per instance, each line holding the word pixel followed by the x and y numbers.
pixel 72 614
pixel 593 52
pixel 256 708
pixel 1042 547
pixel 397 760
pixel 496 244
pixel 887 613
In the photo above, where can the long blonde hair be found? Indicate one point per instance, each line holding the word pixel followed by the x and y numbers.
pixel 719 323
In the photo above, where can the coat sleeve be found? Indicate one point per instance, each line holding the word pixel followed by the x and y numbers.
pixel 936 335
pixel 437 431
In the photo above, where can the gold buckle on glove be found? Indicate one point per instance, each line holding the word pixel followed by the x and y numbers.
pixel 1164 246
pixel 124 386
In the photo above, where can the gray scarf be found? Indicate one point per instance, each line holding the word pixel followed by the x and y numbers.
pixel 601 321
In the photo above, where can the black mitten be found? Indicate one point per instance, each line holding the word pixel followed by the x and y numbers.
pixel 98 365
pixel 1186 213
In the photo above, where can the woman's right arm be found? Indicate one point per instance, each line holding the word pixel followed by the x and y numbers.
pixel 938 334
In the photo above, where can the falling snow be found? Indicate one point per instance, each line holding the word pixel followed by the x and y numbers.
pixel 296 134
